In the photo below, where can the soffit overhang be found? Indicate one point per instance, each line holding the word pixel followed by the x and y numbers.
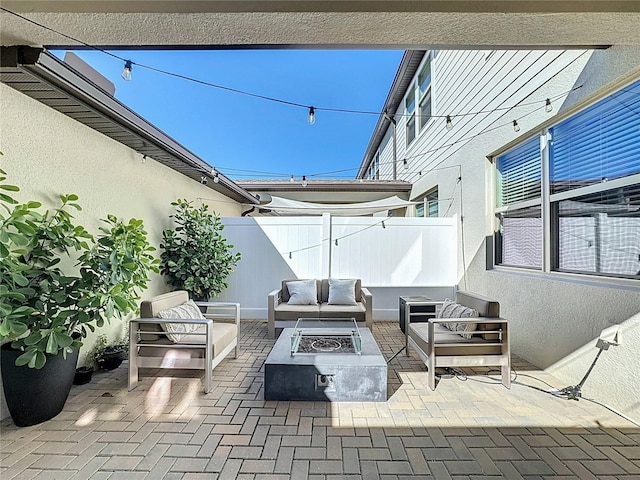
pixel 43 77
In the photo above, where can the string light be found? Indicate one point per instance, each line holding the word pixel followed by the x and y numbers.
pixel 216 177
pixel 126 71
pixel 449 123
pixel 290 256
pixel 304 181
pixel 547 106
pixel 129 64
pixel 516 127
pixel 405 164
pixel 312 115
pixel 336 242
pixel 383 225
pixel 291 180
pixel 144 158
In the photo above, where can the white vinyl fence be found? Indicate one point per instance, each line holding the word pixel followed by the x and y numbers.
pixel 392 255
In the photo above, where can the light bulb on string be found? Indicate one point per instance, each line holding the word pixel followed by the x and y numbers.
pixel 216 177
pixel 516 127
pixel 304 181
pixel 548 107
pixel 405 164
pixel 290 256
pixel 312 115
pixel 449 123
pixel 126 71
pixel 383 225
pixel 291 179
pixel 336 242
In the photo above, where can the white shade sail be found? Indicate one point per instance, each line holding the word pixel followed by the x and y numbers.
pixel 286 206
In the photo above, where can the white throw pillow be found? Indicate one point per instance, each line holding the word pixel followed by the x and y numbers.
pixel 302 292
pixel 342 292
pixel 451 309
pixel 177 331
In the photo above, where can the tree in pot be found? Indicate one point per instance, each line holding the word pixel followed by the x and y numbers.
pixel 48 304
pixel 195 256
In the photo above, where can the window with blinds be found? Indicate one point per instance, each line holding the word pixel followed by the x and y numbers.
pixel 593 209
pixel 598 144
pixel 519 173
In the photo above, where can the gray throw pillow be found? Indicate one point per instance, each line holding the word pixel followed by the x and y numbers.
pixel 451 309
pixel 177 331
pixel 302 292
pixel 342 292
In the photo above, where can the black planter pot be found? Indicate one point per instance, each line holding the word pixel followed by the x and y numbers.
pixel 111 360
pixel 83 375
pixel 35 396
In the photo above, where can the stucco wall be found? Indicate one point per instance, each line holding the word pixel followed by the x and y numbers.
pixel 555 321
pixel 47 154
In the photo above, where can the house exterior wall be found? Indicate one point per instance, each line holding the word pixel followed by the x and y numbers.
pixel 47 154
pixel 555 319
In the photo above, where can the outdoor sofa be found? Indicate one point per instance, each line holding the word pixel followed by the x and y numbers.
pixel 282 313
pixel 451 341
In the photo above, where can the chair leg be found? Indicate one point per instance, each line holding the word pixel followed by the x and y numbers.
pixel 271 331
pixel 133 356
pixel 506 376
pixel 431 373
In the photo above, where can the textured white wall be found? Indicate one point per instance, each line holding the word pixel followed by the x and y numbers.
pixel 47 154
pixel 555 321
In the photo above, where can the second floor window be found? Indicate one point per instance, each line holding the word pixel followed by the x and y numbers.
pixel 419 94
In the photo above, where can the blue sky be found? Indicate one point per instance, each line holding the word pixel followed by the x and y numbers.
pixel 232 131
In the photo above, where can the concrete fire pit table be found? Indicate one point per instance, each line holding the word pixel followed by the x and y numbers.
pixel 326 360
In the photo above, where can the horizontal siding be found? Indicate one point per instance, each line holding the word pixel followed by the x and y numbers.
pixel 472 81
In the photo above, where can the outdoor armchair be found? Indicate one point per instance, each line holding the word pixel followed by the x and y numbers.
pixel 182 343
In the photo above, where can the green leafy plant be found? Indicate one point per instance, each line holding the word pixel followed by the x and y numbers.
pixel 44 300
pixel 103 347
pixel 196 257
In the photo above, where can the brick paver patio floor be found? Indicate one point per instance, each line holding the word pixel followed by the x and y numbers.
pixel 473 429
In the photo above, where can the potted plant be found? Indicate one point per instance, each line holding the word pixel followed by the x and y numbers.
pixel 109 356
pixel 83 375
pixel 196 257
pixel 57 283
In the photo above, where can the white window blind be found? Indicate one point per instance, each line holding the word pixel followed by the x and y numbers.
pixel 599 144
pixel 519 173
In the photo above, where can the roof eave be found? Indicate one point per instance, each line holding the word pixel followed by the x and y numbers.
pixel 144 137
pixel 406 71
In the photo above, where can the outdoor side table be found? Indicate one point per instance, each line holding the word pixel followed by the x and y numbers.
pixel 416 308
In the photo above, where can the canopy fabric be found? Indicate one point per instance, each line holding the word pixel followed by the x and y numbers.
pixel 286 206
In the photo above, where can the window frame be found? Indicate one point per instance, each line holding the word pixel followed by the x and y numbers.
pixel 415 122
pixel 550 202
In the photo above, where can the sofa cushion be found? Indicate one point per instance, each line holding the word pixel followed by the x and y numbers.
pixel 357 311
pixel 302 292
pixel 176 331
pixel 419 332
pixel 285 290
pixel 342 292
pixel 223 335
pixel 451 309
pixel 284 311
pixel 324 290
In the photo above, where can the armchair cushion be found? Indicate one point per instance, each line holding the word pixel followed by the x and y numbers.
pixel 342 292
pixel 303 292
pixel 451 309
pixel 177 331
